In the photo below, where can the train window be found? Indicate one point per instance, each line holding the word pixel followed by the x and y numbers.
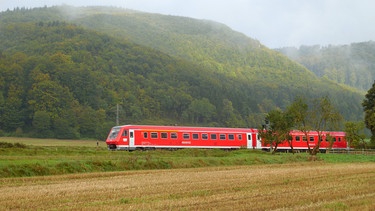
pixel 154 135
pixel 334 139
pixel 164 135
pixel 311 138
pixel 186 136
pixel 339 138
pixel 298 138
pixel 222 137
pixel 145 135
pixel 195 136
pixel 114 132
pixel 204 136
pixel 239 136
pixel 174 135
pixel 125 133
pixel 213 136
pixel 304 138
pixel 249 137
pixel 231 137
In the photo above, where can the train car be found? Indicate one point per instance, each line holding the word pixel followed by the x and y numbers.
pixel 131 137
pixel 300 141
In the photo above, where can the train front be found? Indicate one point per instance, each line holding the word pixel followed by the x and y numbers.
pixel 113 139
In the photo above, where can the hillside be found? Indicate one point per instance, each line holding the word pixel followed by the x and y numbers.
pixel 353 64
pixel 62 75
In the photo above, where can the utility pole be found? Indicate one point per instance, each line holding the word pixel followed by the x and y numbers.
pixel 117 111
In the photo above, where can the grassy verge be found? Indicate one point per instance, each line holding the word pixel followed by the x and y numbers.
pixel 30 157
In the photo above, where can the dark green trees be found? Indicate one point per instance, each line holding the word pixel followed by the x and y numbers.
pixel 369 109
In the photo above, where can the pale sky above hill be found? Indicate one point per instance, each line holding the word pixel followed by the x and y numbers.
pixel 275 23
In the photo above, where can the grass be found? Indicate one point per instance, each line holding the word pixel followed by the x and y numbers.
pixel 52 142
pixel 59 175
pixel 40 157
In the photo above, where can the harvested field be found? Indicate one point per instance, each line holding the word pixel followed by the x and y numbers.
pixel 299 186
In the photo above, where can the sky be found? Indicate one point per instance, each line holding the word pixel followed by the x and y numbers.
pixel 275 23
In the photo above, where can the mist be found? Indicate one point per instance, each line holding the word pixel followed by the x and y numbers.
pixel 274 23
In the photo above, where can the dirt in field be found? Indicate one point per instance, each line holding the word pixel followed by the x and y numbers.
pixel 307 186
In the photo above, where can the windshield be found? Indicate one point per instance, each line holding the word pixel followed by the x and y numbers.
pixel 114 132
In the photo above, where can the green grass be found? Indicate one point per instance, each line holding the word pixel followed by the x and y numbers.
pixel 39 157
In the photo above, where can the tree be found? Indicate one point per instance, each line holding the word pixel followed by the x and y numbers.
pixel 299 110
pixel 369 109
pixel 228 115
pixel 277 130
pixel 324 116
pixel 353 134
pixel 201 111
pixel 321 116
pixel 42 124
pixel 64 130
pixel 12 113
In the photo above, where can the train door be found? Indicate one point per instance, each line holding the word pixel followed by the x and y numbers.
pixel 249 140
pixel 258 141
pixel 131 139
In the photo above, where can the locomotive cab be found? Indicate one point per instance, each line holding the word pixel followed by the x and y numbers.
pixel 117 138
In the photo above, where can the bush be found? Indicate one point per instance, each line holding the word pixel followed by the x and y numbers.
pixel 10 145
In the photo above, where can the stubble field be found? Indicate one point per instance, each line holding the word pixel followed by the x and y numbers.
pixel 295 186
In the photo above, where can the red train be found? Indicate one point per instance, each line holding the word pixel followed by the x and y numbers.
pixel 131 137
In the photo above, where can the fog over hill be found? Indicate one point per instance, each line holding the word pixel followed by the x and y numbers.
pixel 274 23
pixel 353 64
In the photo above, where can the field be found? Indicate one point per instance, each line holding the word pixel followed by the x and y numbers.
pixel 190 180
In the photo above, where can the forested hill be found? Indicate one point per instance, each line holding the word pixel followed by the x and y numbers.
pixel 353 64
pixel 62 75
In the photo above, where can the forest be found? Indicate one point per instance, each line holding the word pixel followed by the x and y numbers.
pixel 71 76
pixel 352 64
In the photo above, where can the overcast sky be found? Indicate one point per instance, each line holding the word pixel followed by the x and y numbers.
pixel 275 23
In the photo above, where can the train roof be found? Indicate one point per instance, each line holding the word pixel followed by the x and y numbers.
pixel 186 128
pixel 336 133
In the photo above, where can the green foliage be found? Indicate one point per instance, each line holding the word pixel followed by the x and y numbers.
pixel 42 124
pixel 369 109
pixel 354 134
pixel 346 64
pixel 277 129
pixel 319 116
pixel 12 145
pixel 201 111
pixel 158 69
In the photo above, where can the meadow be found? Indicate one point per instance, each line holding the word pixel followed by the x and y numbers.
pixel 64 175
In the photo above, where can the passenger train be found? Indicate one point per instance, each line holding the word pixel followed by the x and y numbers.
pixel 132 137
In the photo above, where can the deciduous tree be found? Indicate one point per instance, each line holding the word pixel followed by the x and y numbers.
pixel 321 116
pixel 277 130
pixel 354 134
pixel 369 108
